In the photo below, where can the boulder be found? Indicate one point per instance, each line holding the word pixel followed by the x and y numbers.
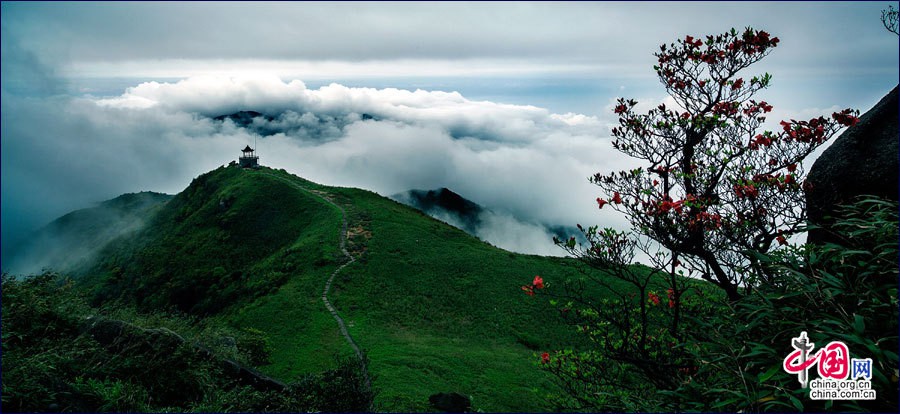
pixel 861 161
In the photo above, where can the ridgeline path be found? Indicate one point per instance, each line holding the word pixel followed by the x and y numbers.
pixel 351 259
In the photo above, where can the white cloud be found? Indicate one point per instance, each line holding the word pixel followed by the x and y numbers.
pixel 522 161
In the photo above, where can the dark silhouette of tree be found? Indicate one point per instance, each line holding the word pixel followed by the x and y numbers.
pixel 889 19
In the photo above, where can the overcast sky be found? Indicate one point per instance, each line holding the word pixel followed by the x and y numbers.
pixel 506 103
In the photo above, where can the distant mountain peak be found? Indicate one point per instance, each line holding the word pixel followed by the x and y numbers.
pixel 445 204
pixel 448 200
pixel 243 118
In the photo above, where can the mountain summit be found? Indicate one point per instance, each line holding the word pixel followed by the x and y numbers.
pixel 433 309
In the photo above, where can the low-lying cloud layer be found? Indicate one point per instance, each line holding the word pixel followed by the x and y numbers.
pixel 66 153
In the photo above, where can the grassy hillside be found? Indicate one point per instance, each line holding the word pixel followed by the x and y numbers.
pixel 435 309
pixel 439 311
pixel 59 354
pixel 229 235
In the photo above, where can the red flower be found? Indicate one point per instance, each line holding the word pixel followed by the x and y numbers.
pixel 792 167
pixel 528 290
pixel 538 282
pixel 760 139
pixel 617 198
pixel 671 303
pixel 665 206
pixel 670 293
pixel 619 109
pixel 545 358
pixel 742 191
pixel 737 84
pixel 751 191
pixel 781 240
pixel 654 298
pixel 786 126
pixel 601 202
pixel 845 118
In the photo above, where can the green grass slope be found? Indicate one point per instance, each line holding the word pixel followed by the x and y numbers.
pixel 434 309
pixel 228 236
pixel 438 310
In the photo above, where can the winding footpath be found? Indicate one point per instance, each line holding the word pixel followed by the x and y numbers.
pixel 351 259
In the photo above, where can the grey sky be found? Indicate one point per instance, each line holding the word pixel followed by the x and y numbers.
pixel 78 37
pixel 62 150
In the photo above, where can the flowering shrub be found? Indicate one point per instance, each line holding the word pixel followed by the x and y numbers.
pixel 635 334
pixel 716 187
pixel 537 283
pixel 717 194
pixel 845 291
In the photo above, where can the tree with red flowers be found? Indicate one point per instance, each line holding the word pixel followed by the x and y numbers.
pixel 716 193
pixel 716 188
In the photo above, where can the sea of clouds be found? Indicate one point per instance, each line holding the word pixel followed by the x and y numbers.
pixel 525 163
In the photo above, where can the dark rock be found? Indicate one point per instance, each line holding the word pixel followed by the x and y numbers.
pixel 450 402
pixel 862 161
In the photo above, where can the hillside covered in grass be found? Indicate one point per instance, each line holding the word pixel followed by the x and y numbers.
pixel 433 308
pixel 60 354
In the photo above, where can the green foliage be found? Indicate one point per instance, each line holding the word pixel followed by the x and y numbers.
pixel 339 390
pixel 229 237
pixel 52 361
pixel 637 339
pixel 845 292
pixel 727 356
pixel 255 346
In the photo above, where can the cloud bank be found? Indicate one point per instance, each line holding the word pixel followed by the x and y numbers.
pixel 521 161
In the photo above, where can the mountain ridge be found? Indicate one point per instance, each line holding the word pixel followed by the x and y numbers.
pixel 432 308
pixel 65 241
pixel 496 227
